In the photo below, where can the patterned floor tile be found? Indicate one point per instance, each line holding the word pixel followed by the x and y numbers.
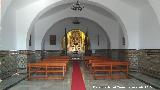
pixel 113 84
pixel 91 84
pixel 46 84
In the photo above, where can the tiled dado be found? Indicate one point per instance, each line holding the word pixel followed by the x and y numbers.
pixel 11 62
pixel 131 55
pixel 34 56
pixel 48 53
pixel 149 62
pixel 146 61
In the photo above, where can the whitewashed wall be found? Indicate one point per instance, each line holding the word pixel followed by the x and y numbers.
pixel 150 29
pixel 9 30
pixel 5 4
pixel 155 4
pixel 25 17
pixel 130 16
pixel 0 27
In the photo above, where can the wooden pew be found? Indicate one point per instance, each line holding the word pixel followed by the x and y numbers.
pixel 56 61
pixel 110 67
pixel 45 70
pixel 120 68
pixel 48 68
pixel 100 60
pixel 88 59
pixel 104 68
pixel 58 57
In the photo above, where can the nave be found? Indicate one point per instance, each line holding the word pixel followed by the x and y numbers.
pixel 90 82
pixel 33 30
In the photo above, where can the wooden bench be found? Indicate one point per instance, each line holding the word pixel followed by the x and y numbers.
pixel 46 70
pixel 120 69
pixel 58 57
pixel 56 61
pixel 104 68
pixel 96 61
pixel 108 68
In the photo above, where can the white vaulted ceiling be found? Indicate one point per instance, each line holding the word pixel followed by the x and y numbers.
pixel 21 15
pixel 87 6
pixel 22 3
pixel 136 3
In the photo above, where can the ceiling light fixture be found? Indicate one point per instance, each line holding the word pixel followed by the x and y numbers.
pixel 77 6
pixel 76 20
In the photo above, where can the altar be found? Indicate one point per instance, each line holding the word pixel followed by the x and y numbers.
pixel 75 43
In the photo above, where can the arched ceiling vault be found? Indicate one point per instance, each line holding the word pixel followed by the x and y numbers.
pixel 42 6
pixel 89 5
pixel 81 26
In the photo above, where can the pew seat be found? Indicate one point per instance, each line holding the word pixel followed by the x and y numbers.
pixel 101 67
pixel 46 70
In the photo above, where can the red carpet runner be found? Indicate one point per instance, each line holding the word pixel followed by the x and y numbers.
pixel 77 79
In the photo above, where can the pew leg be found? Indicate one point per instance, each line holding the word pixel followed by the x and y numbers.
pixel 63 72
pixel 29 73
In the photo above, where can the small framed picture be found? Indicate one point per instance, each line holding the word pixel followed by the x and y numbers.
pixel 52 39
pixel 30 41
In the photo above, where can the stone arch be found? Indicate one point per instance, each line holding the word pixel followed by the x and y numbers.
pixel 106 34
pixel 89 2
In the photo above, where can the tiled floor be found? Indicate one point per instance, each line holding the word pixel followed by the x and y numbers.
pixel 43 85
pixel 147 79
pixel 91 84
pixel 109 84
pixel 46 84
pixel 122 84
pixel 9 82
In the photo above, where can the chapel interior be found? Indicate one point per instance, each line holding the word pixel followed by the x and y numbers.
pixel 80 45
